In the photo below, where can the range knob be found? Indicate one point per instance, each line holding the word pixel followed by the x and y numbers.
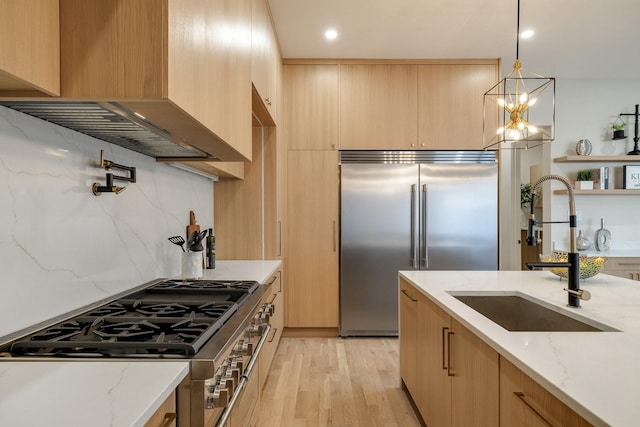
pixel 243 348
pixel 215 395
pixel 254 330
pixel 268 308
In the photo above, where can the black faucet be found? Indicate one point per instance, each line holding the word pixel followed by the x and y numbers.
pixel 573 259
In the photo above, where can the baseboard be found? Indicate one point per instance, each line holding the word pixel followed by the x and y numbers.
pixel 310 332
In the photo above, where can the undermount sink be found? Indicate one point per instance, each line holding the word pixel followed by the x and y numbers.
pixel 517 312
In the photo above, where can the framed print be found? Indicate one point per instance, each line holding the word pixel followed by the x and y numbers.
pixel 631 177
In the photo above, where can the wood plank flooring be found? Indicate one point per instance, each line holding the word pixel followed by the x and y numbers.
pixel 351 382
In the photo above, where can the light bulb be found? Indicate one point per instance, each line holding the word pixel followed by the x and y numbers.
pixel 500 130
pixel 532 129
pixel 532 101
pixel 524 97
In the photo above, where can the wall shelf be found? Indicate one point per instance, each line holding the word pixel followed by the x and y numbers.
pixel 598 159
pixel 600 192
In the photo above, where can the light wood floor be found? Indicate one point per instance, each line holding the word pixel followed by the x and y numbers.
pixel 351 382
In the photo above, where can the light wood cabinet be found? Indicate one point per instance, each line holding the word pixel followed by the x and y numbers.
pixel 628 267
pixel 475 380
pixel 311 300
pixel 29 47
pixel 265 57
pixel 168 61
pixel 246 215
pixel 310 106
pixel 434 370
pixel 410 359
pixel 165 416
pixel 378 107
pixel 274 297
pixel 450 105
pixel 523 402
pixel 457 374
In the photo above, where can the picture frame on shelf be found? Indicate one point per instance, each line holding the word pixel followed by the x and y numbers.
pixel 631 177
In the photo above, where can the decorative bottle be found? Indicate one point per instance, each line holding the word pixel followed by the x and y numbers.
pixel 211 250
pixel 582 243
pixel 603 238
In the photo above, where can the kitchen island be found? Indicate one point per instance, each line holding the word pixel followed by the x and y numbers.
pixel 595 374
pixel 115 392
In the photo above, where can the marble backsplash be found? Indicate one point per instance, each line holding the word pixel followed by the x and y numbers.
pixel 61 247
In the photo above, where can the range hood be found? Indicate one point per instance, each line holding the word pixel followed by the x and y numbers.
pixel 114 123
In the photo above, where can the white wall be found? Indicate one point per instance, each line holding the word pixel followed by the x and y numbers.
pixel 61 247
pixel 585 109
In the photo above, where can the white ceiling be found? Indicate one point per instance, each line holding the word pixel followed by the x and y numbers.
pixel 573 38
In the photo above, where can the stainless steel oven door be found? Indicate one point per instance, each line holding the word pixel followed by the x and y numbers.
pixel 242 404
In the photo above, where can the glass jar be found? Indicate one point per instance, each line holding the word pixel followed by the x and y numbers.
pixel 582 243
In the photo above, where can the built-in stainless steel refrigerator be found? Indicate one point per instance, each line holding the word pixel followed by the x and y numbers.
pixel 422 210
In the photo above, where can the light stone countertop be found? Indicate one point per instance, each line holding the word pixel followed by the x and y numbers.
pixel 81 394
pixel 597 374
pixel 118 393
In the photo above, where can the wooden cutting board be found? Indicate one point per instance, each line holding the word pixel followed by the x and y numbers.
pixel 193 226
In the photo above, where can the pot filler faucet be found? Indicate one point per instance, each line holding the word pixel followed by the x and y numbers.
pixel 573 260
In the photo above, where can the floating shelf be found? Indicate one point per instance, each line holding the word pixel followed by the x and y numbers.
pixel 598 159
pixel 600 192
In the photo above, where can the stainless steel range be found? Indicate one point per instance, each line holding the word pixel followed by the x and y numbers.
pixel 219 325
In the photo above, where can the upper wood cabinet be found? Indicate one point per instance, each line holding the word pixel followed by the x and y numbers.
pixel 30 46
pixel 185 65
pixel 378 107
pixel 450 105
pixel 266 63
pixel 310 106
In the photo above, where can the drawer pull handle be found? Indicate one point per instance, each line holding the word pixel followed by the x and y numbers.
pixel 273 280
pixel 449 373
pixel 273 299
pixel 275 331
pixel 444 363
pixel 169 418
pixel 520 395
pixel 409 296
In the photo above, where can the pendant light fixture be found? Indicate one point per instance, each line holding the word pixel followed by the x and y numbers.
pixel 519 110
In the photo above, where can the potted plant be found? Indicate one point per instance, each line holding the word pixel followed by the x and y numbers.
pixel 584 180
pixel 618 130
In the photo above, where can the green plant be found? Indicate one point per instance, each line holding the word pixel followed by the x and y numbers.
pixel 585 175
pixel 617 126
pixel 525 194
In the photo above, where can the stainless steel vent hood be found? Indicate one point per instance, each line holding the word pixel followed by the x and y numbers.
pixel 113 123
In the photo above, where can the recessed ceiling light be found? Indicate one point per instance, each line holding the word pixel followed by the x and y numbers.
pixel 331 34
pixel 526 34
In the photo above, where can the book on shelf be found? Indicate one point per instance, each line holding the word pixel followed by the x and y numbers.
pixel 601 178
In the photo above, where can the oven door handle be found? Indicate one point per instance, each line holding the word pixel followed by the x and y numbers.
pixel 224 417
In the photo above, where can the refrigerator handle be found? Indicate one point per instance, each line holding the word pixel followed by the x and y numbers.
pixel 424 249
pixel 413 258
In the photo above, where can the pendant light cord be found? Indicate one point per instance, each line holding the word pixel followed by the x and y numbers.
pixel 518 33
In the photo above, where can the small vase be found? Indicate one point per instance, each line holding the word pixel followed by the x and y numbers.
pixel 582 243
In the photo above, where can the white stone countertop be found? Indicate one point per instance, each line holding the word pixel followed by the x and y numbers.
pixel 118 393
pixel 81 394
pixel 597 374
pixel 260 270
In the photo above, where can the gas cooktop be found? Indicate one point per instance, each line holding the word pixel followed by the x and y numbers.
pixel 173 318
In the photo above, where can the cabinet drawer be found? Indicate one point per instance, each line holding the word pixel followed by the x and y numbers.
pixel 165 416
pixel 627 267
pixel 523 402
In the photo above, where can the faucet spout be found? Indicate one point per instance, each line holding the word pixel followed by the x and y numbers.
pixel 573 261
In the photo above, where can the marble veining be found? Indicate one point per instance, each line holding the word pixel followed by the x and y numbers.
pixel 61 246
pixel 594 373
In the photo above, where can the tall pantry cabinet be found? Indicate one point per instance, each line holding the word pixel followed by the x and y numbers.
pixel 310 129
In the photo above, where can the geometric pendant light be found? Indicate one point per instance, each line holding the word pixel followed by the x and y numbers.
pixel 519 110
